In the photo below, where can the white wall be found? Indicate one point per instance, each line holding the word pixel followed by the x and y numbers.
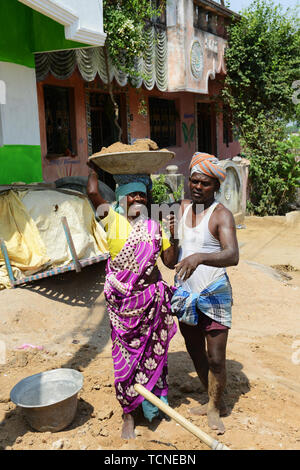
pixel 83 19
pixel 2 102
pixel 171 13
pixel 90 12
pixel 19 122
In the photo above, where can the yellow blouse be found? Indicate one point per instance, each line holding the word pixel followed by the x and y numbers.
pixel 118 228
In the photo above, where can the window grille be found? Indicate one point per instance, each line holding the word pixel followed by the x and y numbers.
pixel 163 121
pixel 59 115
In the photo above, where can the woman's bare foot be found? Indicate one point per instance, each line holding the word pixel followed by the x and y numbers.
pixel 128 427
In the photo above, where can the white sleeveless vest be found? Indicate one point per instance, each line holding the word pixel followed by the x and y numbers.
pixel 198 240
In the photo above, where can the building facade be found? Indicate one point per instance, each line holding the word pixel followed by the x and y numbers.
pixel 176 103
pixel 28 27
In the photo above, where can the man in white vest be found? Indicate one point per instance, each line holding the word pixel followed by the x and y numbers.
pixel 203 299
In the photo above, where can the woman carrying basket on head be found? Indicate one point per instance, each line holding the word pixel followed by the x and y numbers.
pixel 137 299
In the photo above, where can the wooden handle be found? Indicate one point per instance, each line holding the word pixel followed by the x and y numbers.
pixel 208 440
pixel 71 244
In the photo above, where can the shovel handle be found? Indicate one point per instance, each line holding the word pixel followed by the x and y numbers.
pixel 208 440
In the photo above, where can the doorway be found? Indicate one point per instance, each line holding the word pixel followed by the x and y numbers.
pixel 206 123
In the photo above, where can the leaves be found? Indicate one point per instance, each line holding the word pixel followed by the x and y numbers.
pixel 274 176
pixel 263 61
pixel 124 23
pixel 159 190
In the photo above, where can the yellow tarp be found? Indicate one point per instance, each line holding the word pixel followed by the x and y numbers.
pixel 30 224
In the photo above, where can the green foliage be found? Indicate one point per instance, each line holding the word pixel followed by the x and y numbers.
pixel 274 176
pixel 160 190
pixel 177 194
pixel 263 63
pixel 124 23
pixel 293 128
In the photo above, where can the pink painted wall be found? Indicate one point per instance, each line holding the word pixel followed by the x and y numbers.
pixel 185 106
pixel 139 125
pixel 65 166
pixel 182 36
pixel 224 151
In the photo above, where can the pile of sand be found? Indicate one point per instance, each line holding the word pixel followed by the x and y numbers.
pixel 67 315
pixel 140 145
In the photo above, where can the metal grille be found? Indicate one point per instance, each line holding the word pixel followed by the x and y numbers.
pixel 58 120
pixel 163 122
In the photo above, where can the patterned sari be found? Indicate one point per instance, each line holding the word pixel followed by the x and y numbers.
pixel 140 315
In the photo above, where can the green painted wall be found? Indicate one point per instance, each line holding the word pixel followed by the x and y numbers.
pixel 24 31
pixel 49 35
pixel 16 39
pixel 20 163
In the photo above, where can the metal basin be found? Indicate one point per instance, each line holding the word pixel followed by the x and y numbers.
pixel 49 399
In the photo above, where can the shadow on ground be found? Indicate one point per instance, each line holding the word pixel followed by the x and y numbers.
pixel 76 289
pixel 80 290
pixel 185 388
pixel 84 290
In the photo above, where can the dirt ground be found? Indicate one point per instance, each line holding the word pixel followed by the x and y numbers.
pixel 66 315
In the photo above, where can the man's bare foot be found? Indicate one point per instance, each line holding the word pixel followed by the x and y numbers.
pixel 202 410
pixel 128 427
pixel 214 421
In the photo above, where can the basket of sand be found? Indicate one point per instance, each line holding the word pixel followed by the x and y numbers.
pixel 142 157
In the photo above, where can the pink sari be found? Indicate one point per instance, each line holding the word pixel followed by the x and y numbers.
pixel 140 314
